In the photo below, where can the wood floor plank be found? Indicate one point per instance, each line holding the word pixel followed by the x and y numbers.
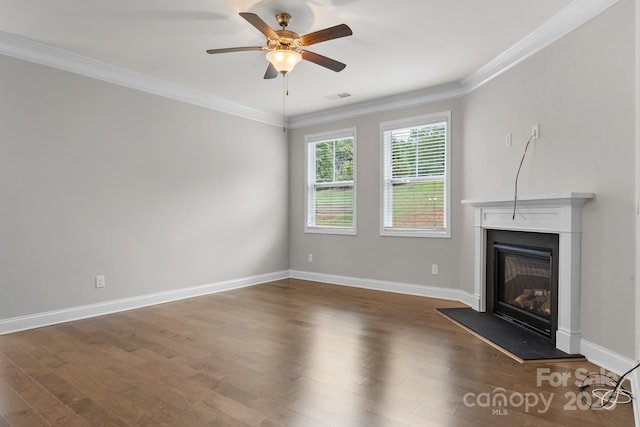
pixel 10 401
pixel 286 353
pixel 47 394
pixel 26 417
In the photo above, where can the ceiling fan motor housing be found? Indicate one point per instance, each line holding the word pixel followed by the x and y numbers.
pixel 287 40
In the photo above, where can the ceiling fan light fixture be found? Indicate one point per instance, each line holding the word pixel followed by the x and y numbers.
pixel 284 60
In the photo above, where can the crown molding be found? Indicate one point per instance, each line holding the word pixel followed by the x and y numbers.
pixel 32 51
pixel 393 102
pixel 568 19
pixel 562 23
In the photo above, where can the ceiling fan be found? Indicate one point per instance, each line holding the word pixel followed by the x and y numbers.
pixel 287 48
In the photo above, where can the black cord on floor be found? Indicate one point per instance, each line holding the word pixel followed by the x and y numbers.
pixel 608 398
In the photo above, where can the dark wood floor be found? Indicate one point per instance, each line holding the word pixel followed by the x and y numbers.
pixel 286 353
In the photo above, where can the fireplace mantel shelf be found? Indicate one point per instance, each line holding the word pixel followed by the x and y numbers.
pixel 558 213
pixel 546 213
pixel 553 198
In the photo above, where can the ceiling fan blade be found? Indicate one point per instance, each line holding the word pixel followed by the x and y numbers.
pixel 329 63
pixel 262 26
pixel 271 72
pixel 235 49
pixel 330 33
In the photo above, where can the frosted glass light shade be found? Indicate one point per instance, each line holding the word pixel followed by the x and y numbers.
pixel 283 60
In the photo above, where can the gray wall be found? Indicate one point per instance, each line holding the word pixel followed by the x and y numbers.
pixel 637 254
pixel 368 255
pixel 581 92
pixel 158 195
pixel 153 193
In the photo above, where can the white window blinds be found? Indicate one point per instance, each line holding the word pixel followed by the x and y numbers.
pixel 415 177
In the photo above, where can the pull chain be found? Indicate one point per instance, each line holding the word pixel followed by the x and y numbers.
pixel 285 93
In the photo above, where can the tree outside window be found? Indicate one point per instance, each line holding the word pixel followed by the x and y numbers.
pixel 330 184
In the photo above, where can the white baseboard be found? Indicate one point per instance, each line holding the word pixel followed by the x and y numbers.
pixel 380 285
pixel 617 364
pixel 595 353
pixel 39 320
pixel 605 358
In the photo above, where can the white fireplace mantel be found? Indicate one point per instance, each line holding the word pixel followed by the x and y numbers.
pixel 558 213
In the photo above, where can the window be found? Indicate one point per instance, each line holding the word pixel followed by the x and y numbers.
pixel 415 187
pixel 330 188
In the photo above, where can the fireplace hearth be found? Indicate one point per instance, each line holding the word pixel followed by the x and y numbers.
pixel 522 279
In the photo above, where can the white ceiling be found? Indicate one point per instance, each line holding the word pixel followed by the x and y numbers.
pixel 396 47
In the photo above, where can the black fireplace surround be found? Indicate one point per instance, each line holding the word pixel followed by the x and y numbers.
pixel 522 279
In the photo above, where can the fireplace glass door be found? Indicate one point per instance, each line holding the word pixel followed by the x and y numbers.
pixel 524 286
pixel 522 279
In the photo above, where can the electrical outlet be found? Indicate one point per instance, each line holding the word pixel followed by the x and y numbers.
pixel 535 131
pixel 310 258
pixel 507 140
pixel 434 268
pixel 100 282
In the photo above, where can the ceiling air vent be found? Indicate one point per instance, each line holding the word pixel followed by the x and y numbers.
pixel 338 95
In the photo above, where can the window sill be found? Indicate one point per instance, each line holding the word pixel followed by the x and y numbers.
pixel 329 230
pixel 445 234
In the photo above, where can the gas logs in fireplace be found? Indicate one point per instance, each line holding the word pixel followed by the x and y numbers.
pixel 537 301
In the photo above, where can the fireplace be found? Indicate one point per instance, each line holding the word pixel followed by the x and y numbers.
pixel 522 279
pixel 557 214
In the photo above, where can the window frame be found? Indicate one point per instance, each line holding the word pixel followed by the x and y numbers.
pixel 309 196
pixel 385 171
